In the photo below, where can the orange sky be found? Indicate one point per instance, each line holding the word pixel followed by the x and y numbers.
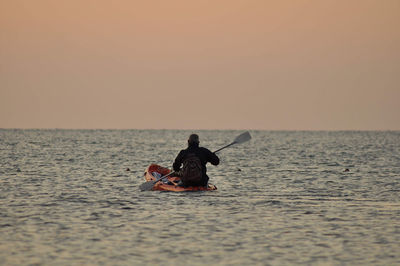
pixel 275 65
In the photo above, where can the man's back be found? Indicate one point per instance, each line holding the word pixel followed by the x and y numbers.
pixel 203 154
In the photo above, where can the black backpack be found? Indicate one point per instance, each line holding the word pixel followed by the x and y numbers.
pixel 192 169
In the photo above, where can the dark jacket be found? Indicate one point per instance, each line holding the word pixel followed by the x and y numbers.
pixel 204 155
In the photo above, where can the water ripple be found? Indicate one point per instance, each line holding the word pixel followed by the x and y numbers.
pixel 283 199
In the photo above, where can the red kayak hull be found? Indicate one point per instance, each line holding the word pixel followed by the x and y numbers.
pixel 155 169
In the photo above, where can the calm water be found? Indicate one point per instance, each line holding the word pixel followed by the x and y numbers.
pixel 283 199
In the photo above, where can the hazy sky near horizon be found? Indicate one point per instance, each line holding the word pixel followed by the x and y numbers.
pixel 274 65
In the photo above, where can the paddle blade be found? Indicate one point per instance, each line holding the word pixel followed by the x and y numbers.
pixel 147 185
pixel 242 138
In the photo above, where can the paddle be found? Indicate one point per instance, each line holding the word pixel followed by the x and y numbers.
pixel 238 140
pixel 150 184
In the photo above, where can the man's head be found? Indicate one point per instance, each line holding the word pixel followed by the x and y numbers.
pixel 193 140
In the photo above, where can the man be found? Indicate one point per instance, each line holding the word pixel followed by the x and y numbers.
pixel 194 160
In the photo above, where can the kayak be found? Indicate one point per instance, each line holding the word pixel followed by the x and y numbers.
pixel 170 183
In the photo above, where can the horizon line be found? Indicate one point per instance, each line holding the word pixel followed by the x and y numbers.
pixel 206 129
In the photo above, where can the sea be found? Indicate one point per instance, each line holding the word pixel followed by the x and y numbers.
pixel 72 197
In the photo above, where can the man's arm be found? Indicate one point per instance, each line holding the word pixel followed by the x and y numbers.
pixel 212 158
pixel 178 161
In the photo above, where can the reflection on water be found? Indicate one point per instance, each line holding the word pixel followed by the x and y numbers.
pixel 284 198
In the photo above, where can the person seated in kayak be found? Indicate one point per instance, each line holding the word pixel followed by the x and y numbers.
pixel 194 160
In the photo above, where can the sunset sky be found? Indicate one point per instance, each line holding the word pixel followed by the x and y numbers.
pixel 273 65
